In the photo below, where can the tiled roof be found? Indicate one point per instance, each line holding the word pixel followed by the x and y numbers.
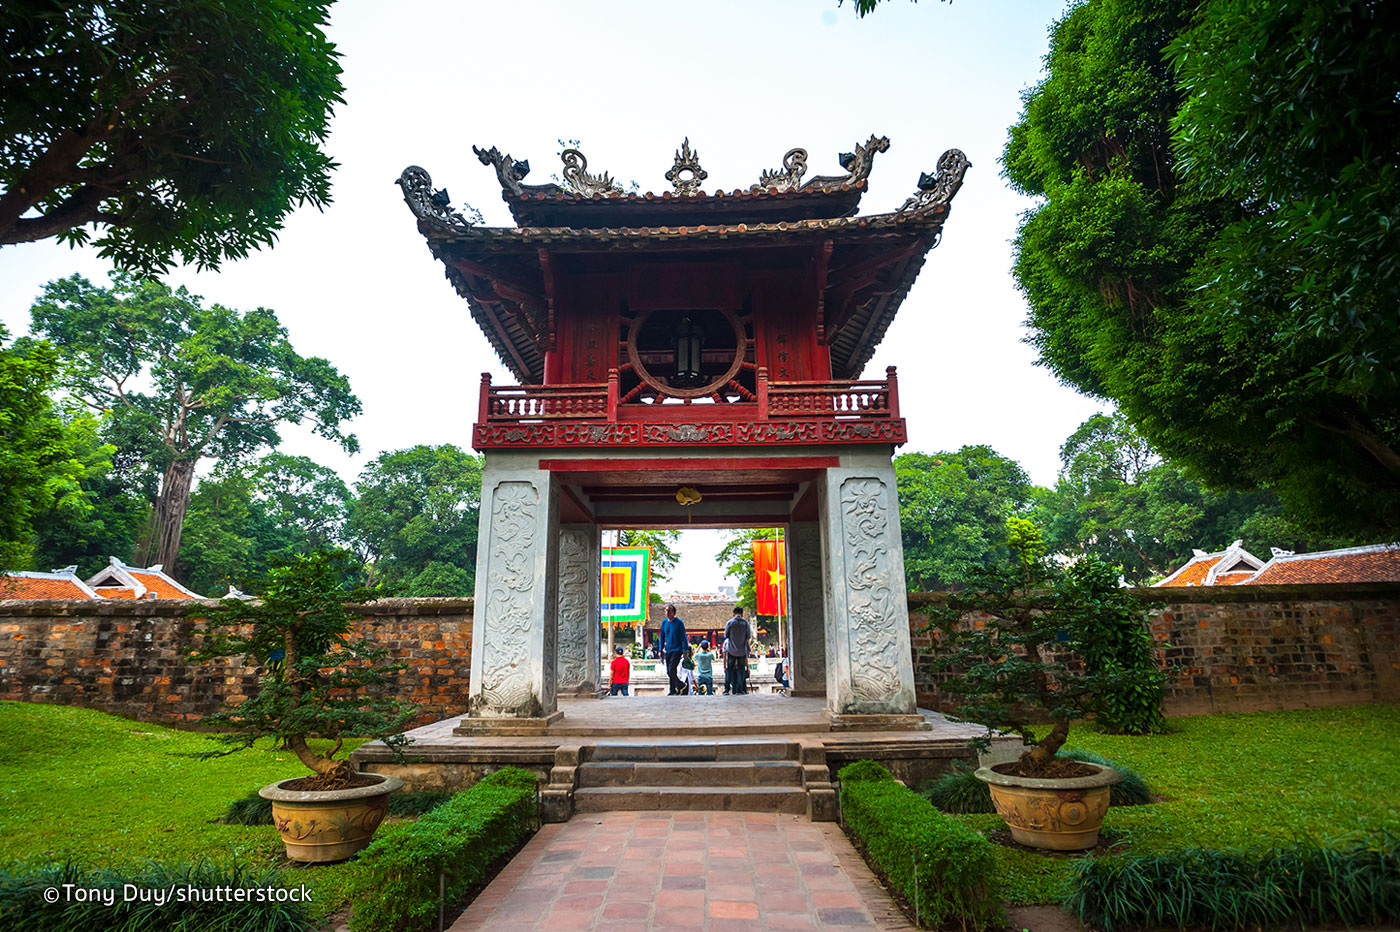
pixel 115 592
pixel 1374 563
pixel 142 583
pixel 43 586
pixel 160 584
pixel 1228 567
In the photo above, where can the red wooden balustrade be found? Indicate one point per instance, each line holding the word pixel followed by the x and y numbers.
pixel 835 400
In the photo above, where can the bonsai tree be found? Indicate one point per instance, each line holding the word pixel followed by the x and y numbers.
pixel 318 682
pixel 1036 644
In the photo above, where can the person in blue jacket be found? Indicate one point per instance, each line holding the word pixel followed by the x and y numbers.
pixel 673 643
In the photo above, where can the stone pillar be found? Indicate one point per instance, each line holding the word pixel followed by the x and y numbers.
pixel 578 610
pixel 869 669
pixel 807 652
pixel 513 631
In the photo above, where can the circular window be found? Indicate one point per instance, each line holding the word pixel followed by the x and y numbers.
pixel 686 353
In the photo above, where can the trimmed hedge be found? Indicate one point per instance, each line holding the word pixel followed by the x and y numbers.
pixel 944 869
pixel 23 904
pixel 1285 887
pixel 397 888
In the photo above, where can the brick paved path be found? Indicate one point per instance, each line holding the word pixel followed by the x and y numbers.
pixel 709 871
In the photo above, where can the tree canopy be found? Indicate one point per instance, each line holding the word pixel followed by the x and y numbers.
pixel 186 382
pixel 191 128
pixel 1116 499
pixel 953 509
pixel 416 517
pixel 1216 247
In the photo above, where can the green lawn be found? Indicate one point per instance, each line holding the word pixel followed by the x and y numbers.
pixel 1232 781
pixel 99 790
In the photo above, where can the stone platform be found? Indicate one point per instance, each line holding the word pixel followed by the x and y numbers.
pixel 755 752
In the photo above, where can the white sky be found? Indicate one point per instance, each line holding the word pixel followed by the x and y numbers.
pixel 746 81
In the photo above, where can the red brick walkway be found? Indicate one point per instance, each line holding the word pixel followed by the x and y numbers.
pixel 710 871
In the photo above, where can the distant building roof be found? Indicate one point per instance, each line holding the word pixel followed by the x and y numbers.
pixel 698 616
pixel 1228 567
pixel 148 583
pixel 1372 563
pixel 60 584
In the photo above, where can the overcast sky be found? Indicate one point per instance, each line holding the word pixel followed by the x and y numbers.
pixel 745 81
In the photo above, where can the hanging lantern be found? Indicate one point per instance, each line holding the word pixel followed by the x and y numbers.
pixel 689 342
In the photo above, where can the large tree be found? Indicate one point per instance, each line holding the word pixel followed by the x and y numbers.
pixel 415 516
pixel 192 382
pixel 1216 244
pixel 953 509
pixel 190 128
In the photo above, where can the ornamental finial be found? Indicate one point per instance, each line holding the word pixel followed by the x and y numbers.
pixel 685 176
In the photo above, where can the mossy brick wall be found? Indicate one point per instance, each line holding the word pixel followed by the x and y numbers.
pixel 1246 648
pixel 1228 649
pixel 129 657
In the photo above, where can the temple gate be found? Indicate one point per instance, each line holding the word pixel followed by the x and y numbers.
pixel 687 360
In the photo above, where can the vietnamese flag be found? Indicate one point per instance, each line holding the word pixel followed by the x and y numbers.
pixel 770 576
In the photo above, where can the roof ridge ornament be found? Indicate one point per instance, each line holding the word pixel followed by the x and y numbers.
pixel 510 172
pixel 580 182
pixel 686 174
pixel 938 189
pixel 857 165
pixel 434 207
pixel 790 177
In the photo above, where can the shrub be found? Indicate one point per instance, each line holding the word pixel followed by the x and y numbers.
pixel 254 810
pixel 1132 790
pixel 960 792
pixel 944 869
pixel 397 888
pixel 1293 886
pixel 23 906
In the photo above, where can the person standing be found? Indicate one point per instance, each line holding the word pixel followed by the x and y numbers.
pixel 736 656
pixel 621 673
pixel 673 645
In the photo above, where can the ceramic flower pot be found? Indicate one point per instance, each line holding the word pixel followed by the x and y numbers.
pixel 319 826
pixel 1059 814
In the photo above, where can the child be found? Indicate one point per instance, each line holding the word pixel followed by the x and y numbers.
pixel 621 673
pixel 687 672
pixel 705 669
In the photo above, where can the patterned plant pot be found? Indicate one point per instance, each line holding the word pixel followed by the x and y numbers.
pixel 319 826
pixel 1058 814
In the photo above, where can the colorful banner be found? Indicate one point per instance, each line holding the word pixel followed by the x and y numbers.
pixel 770 576
pixel 626 585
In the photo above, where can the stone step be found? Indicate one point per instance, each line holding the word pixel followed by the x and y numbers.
pixel 693 751
pixel 722 798
pixel 691 773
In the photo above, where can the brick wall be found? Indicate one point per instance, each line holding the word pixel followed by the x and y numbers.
pixel 1246 648
pixel 128 657
pixel 1229 649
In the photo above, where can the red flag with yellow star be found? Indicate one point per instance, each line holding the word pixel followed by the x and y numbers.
pixel 770 576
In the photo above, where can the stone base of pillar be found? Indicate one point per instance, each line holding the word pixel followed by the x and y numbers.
pixel 808 693
pixel 468 727
pixel 586 691
pixel 860 722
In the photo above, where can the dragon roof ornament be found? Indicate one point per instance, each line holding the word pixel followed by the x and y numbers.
pixel 433 206
pixel 579 181
pixel 510 173
pixel 857 165
pixel 938 189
